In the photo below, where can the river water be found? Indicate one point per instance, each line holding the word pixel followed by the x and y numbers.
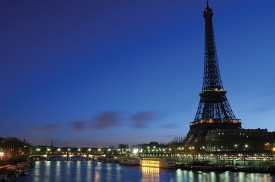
pixel 82 171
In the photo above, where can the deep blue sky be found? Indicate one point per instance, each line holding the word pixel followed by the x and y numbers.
pixel 99 73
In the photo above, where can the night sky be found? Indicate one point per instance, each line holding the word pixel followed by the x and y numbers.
pixel 97 73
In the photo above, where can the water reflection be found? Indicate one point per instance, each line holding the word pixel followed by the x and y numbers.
pixel 68 167
pixel 150 173
pixel 179 175
pixel 89 171
pixel 96 172
pixel 56 171
pixel 78 171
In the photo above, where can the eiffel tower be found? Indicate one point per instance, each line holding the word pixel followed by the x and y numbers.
pixel 214 111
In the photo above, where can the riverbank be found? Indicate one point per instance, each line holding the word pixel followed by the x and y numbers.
pixel 12 161
pixel 12 172
pixel 224 168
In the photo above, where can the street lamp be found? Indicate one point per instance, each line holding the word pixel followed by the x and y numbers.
pixel 2 155
pixel 236 146
pixel 273 150
pixel 246 146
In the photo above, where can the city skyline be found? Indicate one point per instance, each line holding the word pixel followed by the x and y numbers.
pixel 103 73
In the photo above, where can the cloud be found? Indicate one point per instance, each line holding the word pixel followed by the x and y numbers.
pixel 46 128
pixel 106 119
pixel 78 125
pixel 141 119
pixel 172 125
pixel 263 108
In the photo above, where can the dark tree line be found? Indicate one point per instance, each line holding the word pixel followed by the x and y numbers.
pixel 14 148
pixel 175 144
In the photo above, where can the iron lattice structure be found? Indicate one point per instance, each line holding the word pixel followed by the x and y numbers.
pixel 214 111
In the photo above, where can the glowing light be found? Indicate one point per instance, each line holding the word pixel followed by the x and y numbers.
pixel 135 151
pixel 150 163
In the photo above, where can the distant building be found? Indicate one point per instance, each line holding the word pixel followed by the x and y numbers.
pixel 238 140
pixel 153 149
pixel 2 139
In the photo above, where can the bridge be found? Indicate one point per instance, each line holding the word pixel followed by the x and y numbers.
pixel 88 153
pixel 66 156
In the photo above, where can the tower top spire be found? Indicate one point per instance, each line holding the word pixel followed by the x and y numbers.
pixel 208 11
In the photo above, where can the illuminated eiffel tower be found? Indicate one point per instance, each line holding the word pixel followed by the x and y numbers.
pixel 214 111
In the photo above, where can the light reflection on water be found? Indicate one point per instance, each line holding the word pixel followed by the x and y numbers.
pixel 82 171
pixel 149 173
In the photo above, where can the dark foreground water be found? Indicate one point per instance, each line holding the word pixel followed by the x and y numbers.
pixel 82 171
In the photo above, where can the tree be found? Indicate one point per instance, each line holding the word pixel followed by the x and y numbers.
pixel 13 147
pixel 123 146
pixel 175 143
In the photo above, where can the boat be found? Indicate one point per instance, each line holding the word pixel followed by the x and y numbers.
pixel 158 162
pixel 130 161
pixel 99 159
pixel 12 173
pixel 110 160
pixel 31 163
pixel 22 168
pixel 193 167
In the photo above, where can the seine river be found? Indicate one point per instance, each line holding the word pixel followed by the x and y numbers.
pixel 82 171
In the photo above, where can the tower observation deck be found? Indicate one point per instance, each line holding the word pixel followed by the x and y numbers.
pixel 214 111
